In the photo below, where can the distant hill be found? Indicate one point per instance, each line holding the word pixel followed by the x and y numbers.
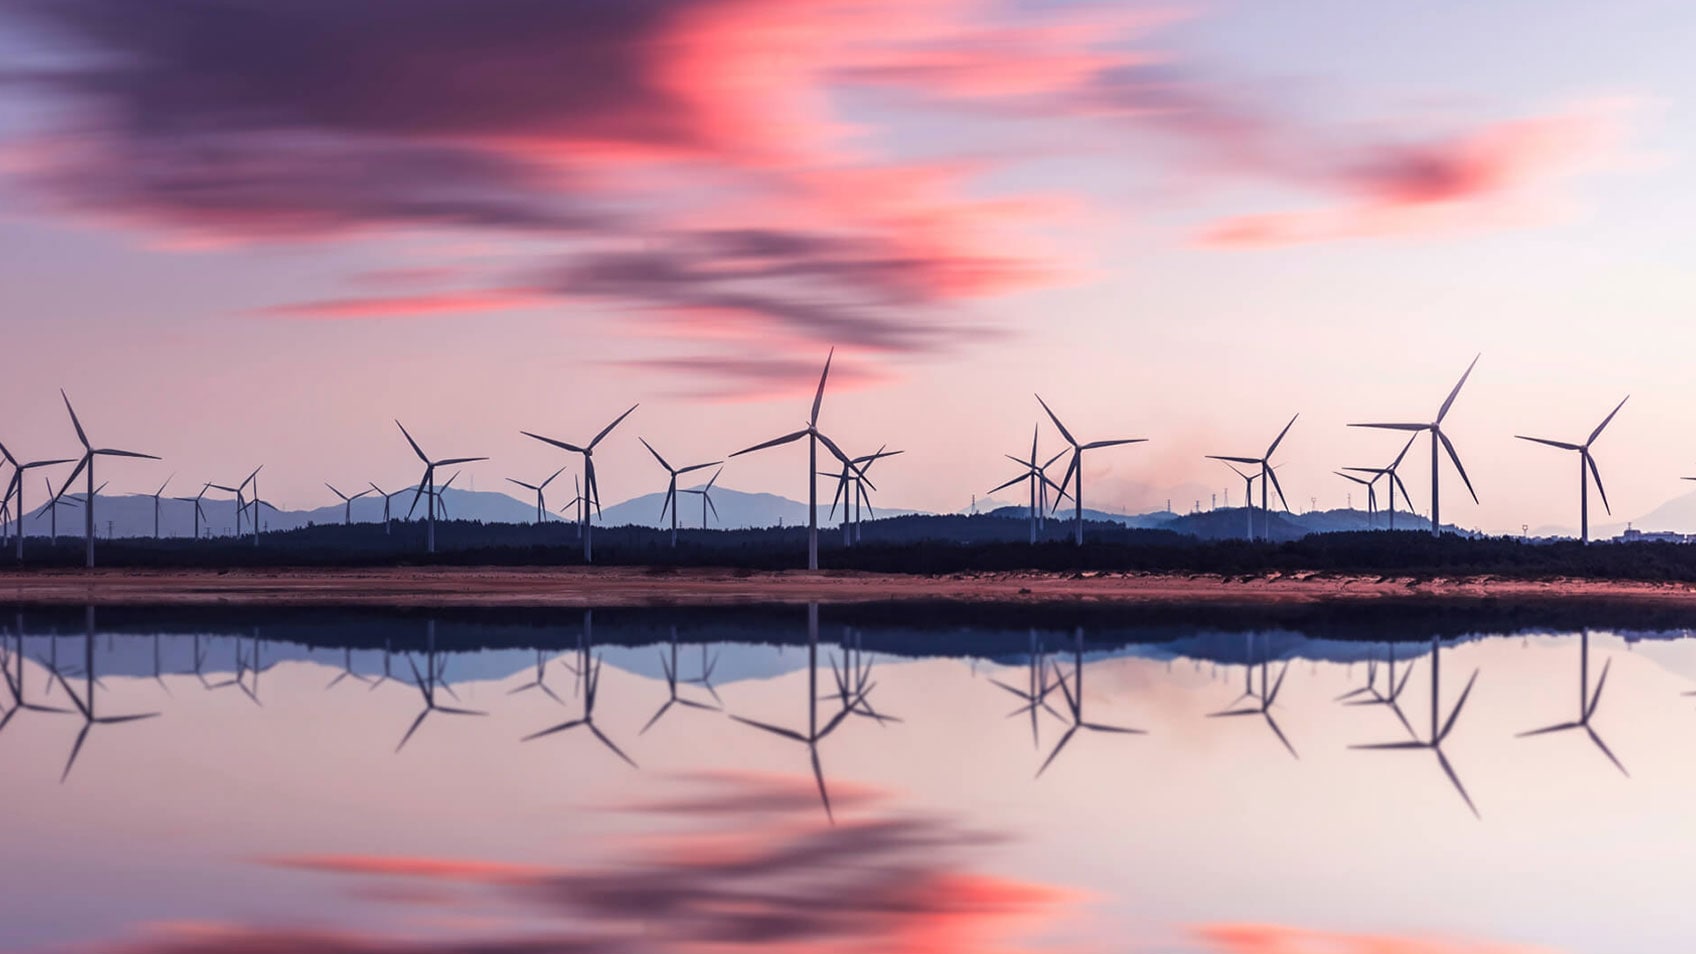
pixel 736 511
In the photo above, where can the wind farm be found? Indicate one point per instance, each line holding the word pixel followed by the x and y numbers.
pixel 467 527
pixel 866 476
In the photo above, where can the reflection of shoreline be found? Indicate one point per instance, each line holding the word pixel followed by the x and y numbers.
pixel 641 586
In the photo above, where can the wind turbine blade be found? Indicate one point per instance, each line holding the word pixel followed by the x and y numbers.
pixel 656 454
pixel 550 479
pixel 1237 460
pixel 459 460
pixel 608 429
pixel 694 467
pixel 1059 426
pixel 818 398
pixel 1094 445
pixel 512 480
pixel 1273 474
pixel 335 491
pixel 74 474
pixel 1455 713
pixel 1444 410
pixel 787 438
pixel 1563 445
pixel 562 445
pixel 1605 421
pixel 112 452
pixel 1456 458
pixel 1066 481
pixel 81 436
pixel 1400 486
pixel 415 448
pixel 712 480
pixel 1396 427
pixel 1590 461
pixel 1021 477
pixel 1351 477
pixel 1405 448
pixel 1280 439
pixel 710 505
pixel 417 494
pixel 830 445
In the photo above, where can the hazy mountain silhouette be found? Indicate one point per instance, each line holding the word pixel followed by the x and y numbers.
pixel 736 510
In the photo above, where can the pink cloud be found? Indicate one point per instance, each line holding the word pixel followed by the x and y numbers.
pixel 1490 177
pixel 1283 939
pixel 444 303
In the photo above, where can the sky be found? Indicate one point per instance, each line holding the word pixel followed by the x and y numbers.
pixel 243 233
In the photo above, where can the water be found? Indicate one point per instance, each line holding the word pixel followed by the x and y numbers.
pixel 284 794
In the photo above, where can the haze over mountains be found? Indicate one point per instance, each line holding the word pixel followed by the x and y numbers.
pixel 131 515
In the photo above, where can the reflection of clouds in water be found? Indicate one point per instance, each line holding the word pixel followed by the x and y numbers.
pixel 753 866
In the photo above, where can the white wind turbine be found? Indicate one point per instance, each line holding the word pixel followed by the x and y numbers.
pixel 1075 470
pixel 1268 475
pixel 541 493
pixel 1037 477
pixel 19 472
pixel 347 503
pixel 591 493
pixel 1437 436
pixel 1586 470
pixel 705 492
pixel 814 438
pixel 428 483
pixel 671 487
pixel 86 466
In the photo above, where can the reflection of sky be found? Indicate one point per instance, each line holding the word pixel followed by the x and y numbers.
pixel 1203 822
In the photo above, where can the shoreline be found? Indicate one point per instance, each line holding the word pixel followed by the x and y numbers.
pixel 580 587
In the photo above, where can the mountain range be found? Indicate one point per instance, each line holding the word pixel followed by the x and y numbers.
pixel 132 515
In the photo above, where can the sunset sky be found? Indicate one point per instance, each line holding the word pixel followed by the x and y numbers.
pixel 256 232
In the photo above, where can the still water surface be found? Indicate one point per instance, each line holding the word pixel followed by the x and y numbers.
pixel 785 780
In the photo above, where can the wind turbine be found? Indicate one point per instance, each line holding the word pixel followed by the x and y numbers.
pixel 541 493
pixel 1587 702
pixel 347 504
pixel 591 492
pixel 1440 728
pixel 156 495
pixel 705 492
pixel 388 520
pixel 851 492
pixel 51 508
pixel 1586 470
pixel 1395 478
pixel 814 438
pixel 1268 475
pixel 1036 475
pixel 86 464
pixel 670 502
pixel 428 481
pixel 1371 492
pixel 16 489
pixel 1437 436
pixel 1076 467
pixel 1248 495
pixel 578 501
